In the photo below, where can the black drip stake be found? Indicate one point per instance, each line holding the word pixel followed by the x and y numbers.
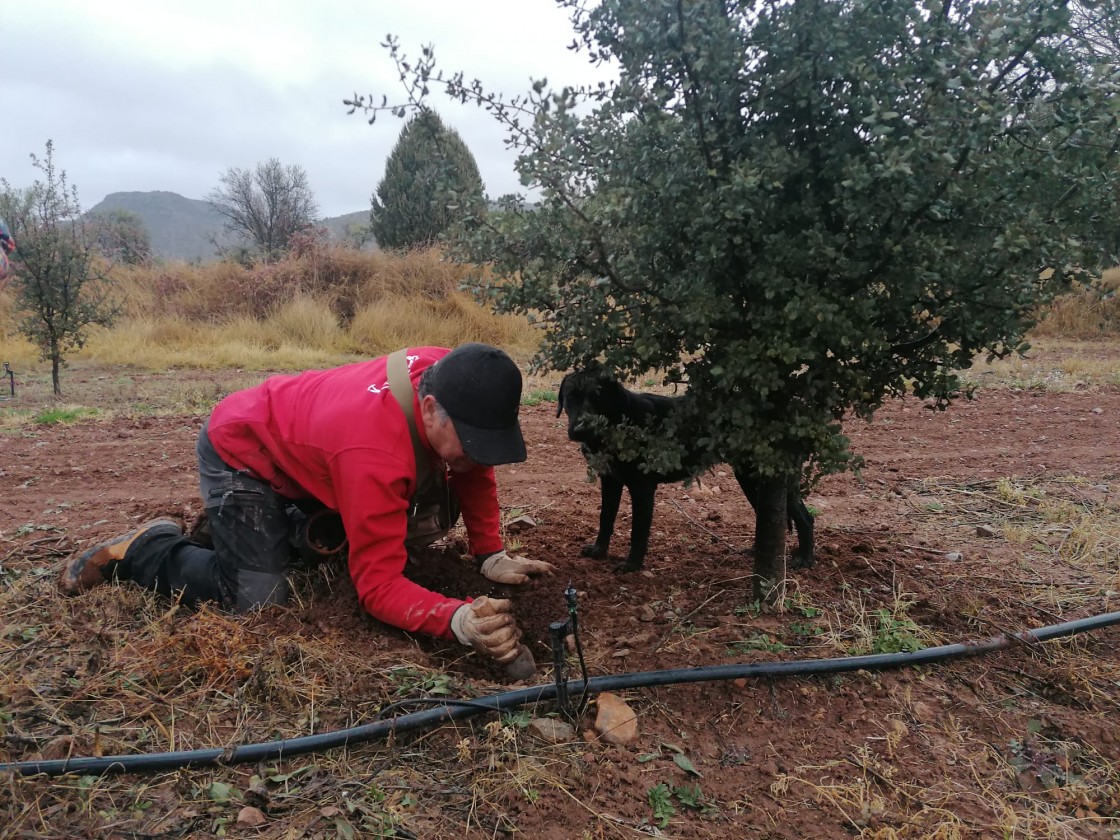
pixel 560 630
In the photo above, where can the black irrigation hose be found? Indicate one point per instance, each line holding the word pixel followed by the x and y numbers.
pixel 452 710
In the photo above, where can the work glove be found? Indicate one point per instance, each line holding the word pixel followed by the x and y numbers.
pixel 502 567
pixel 488 626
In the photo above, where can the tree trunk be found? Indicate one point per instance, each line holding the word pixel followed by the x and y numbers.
pixel 770 537
pixel 55 363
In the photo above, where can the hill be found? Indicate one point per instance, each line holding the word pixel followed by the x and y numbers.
pixel 180 228
pixel 185 228
pixel 339 226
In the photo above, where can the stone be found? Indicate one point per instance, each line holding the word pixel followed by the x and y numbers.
pixel 552 731
pixel 986 531
pixel 616 722
pixel 924 712
pixel 521 523
pixel 251 816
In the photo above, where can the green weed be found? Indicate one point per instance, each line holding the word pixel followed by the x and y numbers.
pixel 692 797
pixel 64 414
pixel 661 797
pixel 414 681
pixel 896 633
pixel 759 641
pixel 660 801
pixel 537 397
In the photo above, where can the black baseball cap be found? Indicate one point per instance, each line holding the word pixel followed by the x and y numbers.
pixel 479 387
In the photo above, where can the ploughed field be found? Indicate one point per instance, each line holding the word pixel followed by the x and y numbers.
pixel 998 515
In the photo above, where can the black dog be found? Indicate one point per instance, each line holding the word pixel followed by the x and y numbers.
pixel 585 394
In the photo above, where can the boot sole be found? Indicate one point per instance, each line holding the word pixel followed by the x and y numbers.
pixel 70 581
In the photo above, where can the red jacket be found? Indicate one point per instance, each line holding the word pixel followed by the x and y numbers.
pixel 339 436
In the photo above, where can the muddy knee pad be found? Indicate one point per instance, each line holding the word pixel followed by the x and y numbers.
pixel 249 528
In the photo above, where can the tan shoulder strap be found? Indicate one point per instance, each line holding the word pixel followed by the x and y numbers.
pixel 401 386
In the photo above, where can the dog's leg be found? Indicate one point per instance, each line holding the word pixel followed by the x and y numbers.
pixel 611 490
pixel 641 509
pixel 804 557
pixel 747 483
pixel 799 517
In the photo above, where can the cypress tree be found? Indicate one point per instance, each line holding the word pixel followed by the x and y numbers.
pixel 431 183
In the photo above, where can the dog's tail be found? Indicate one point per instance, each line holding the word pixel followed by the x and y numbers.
pixel 560 396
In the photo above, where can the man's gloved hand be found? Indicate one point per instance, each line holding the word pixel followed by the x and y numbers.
pixel 502 567
pixel 488 626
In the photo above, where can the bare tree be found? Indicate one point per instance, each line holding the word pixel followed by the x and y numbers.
pixel 1096 23
pixel 120 236
pixel 266 206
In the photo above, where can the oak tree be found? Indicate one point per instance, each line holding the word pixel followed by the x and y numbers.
pixel 800 209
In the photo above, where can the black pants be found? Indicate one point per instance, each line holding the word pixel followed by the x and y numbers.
pixel 249 526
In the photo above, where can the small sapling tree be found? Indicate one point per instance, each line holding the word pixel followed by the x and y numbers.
pixel 60 291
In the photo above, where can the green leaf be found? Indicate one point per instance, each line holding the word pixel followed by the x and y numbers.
pixel 284 777
pixel 683 762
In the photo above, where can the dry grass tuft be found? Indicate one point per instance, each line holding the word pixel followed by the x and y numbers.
pixel 332 304
pixel 14 347
pixel 119 670
pixel 1088 312
pixel 1066 534
pixel 342 278
pixel 1051 364
pixel 1046 788
pixel 397 321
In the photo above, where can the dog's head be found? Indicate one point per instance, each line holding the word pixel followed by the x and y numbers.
pixel 586 394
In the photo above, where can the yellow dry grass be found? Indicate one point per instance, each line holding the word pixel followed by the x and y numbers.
pixel 334 304
pixel 1088 312
pixel 327 307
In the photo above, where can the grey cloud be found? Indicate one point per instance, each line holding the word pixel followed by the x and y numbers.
pixel 123 121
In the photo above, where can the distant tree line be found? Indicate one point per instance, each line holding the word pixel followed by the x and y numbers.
pixel 59 270
pixel 431 185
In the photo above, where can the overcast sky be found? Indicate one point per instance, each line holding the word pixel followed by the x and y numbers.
pixel 142 95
